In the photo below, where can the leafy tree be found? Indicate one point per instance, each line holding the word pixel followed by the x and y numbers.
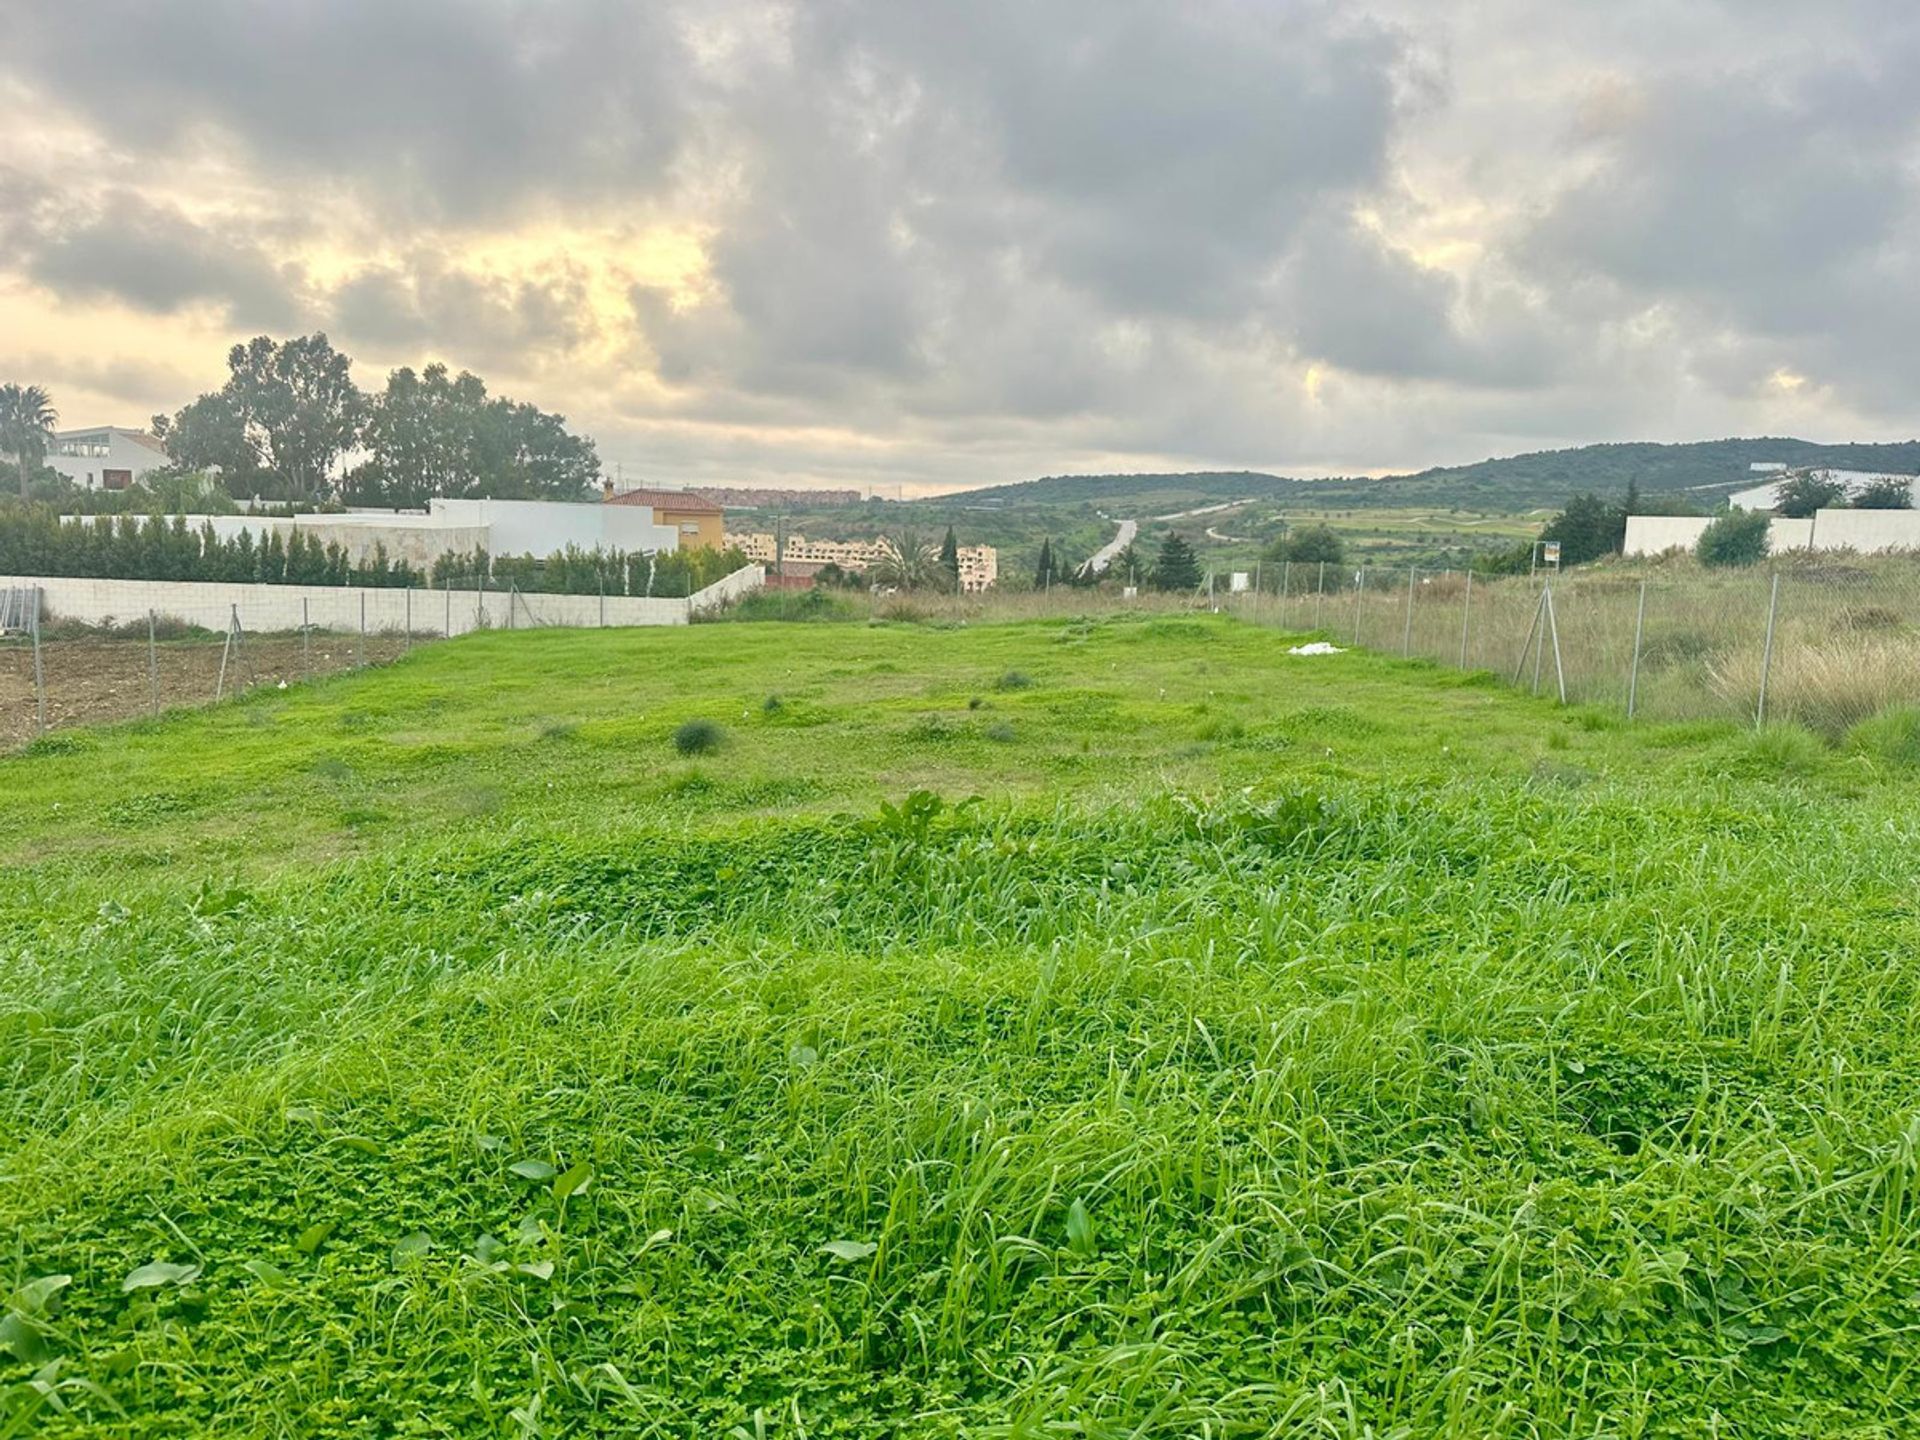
pixel 1738 537
pixel 175 489
pixel 211 434
pixel 434 434
pixel 1178 568
pixel 1314 545
pixel 1587 529
pixel 27 418
pixel 528 454
pixel 1800 495
pixel 288 408
pixel 1886 492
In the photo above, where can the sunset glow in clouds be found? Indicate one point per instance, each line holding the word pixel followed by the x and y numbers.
pixel 936 245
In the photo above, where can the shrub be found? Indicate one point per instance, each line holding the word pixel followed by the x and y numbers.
pixel 1889 492
pixel 1738 537
pixel 698 737
pixel 1014 680
pixel 1788 750
pixel 772 705
pixel 1892 735
pixel 1802 495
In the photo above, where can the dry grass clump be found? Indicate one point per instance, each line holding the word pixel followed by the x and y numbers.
pixel 1828 687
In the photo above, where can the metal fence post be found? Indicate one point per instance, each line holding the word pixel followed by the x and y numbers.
pixel 603 601
pixel 446 585
pixel 1286 578
pixel 226 650
pixel 409 641
pixel 153 664
pixel 360 652
pixel 1359 593
pixel 39 672
pixel 1320 596
pixel 1633 672
pixel 1466 620
pixel 1766 655
pixel 1406 640
pixel 1256 592
pixel 1553 626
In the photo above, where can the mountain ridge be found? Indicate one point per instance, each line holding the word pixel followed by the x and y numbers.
pixel 1535 479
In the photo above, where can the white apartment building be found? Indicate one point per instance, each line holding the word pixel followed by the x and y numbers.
pixel 979 564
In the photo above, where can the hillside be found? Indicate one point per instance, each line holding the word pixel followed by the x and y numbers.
pixel 1277 1046
pixel 1544 479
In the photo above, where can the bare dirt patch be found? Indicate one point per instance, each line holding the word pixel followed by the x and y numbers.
pixel 94 681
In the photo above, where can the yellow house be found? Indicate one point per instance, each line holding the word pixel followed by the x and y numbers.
pixel 700 521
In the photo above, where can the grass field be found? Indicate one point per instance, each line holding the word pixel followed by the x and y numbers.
pixel 1332 1047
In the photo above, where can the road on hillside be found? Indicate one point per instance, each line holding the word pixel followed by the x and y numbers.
pixel 1103 557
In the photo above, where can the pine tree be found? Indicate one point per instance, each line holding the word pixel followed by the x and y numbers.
pixel 950 556
pixel 1043 576
pixel 1177 569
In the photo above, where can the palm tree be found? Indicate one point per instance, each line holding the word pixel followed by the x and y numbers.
pixel 26 425
pixel 908 562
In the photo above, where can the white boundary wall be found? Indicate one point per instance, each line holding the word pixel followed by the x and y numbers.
pixel 1865 531
pixel 342 607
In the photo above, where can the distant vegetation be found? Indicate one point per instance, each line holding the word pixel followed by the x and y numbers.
pixel 288 418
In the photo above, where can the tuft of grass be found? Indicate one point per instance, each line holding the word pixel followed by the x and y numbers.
pixel 772 705
pixel 1787 749
pixel 698 737
pixel 1014 680
pixel 1893 736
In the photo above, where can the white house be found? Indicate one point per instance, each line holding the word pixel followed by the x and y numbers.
pixel 107 457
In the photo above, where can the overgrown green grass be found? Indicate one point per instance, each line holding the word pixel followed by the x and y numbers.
pixel 1276 1047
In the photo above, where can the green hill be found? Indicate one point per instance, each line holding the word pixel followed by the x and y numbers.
pixel 1708 468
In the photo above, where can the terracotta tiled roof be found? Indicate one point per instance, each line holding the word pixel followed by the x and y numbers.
pixel 684 501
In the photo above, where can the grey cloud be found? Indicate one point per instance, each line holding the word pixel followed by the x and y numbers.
pixel 445 107
pixel 156 259
pixel 426 304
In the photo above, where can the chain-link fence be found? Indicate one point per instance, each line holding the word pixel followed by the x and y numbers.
pixel 55 673
pixel 1819 641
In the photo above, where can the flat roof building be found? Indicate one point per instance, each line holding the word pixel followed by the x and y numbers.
pixel 106 457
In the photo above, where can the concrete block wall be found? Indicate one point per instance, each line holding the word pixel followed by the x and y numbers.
pixel 333 607
pixel 1867 532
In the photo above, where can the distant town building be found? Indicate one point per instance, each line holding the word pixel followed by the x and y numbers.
pixel 107 457
pixel 752 497
pixel 699 521
pixel 979 564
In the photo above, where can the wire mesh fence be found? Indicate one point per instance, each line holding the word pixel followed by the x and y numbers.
pixel 55 673
pixel 1819 641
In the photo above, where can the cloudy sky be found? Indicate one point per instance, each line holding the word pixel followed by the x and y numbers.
pixel 900 242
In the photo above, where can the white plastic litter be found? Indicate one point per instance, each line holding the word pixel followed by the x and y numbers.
pixel 1318 647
